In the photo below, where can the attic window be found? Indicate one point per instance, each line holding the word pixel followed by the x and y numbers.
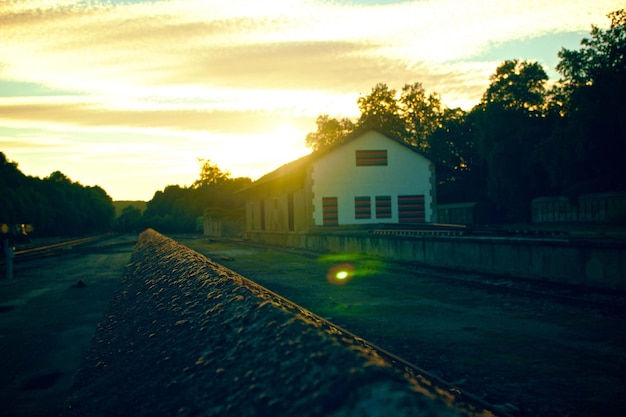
pixel 371 158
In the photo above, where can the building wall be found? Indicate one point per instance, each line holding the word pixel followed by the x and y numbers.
pixel 282 205
pixel 337 175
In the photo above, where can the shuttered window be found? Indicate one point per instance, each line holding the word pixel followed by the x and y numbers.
pixel 330 212
pixel 371 158
pixel 411 209
pixel 383 207
pixel 362 208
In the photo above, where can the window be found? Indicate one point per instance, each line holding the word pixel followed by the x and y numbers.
pixel 383 207
pixel 371 158
pixel 362 208
pixel 411 209
pixel 329 212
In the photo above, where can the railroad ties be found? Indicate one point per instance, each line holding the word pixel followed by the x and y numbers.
pixel 186 336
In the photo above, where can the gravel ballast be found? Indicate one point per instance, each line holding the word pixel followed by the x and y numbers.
pixel 186 336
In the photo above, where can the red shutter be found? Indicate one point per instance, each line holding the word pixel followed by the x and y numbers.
pixel 411 209
pixel 330 212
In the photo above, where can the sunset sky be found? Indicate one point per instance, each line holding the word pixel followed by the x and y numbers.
pixel 128 94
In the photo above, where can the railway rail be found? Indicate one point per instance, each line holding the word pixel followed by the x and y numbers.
pixel 29 253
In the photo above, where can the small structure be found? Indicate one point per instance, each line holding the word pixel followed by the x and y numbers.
pixel 467 213
pixel 587 208
pixel 211 227
pixel 366 178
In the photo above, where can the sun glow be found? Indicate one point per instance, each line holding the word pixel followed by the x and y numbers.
pixel 254 155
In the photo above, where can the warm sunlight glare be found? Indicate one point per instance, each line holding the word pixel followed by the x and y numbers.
pixel 277 147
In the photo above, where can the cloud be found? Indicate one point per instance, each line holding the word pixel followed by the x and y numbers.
pixel 144 48
pixel 151 85
pixel 108 48
pixel 80 116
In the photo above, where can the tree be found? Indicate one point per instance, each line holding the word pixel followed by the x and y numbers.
pixel 380 109
pixel 518 85
pixel 170 211
pixel 176 208
pixel 209 174
pixel 586 150
pixel 420 113
pixel 129 220
pixel 55 205
pixel 412 117
pixel 329 130
pixel 77 210
pixel 510 124
pixel 460 171
pixel 603 55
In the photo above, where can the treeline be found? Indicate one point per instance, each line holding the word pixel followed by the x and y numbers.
pixel 180 209
pixel 55 205
pixel 525 138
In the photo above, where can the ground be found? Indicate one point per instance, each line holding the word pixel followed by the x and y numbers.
pixel 46 325
pixel 528 357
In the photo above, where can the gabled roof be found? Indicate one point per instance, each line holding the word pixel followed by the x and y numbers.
pixel 302 162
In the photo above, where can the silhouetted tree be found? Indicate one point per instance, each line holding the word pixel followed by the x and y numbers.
pixel 461 173
pixel 209 174
pixel 412 117
pixel 329 130
pixel 176 208
pixel 129 220
pixel 510 124
pixel 421 114
pixel 55 205
pixel 519 86
pixel 586 150
pixel 380 109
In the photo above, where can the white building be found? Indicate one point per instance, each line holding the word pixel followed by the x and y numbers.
pixel 366 178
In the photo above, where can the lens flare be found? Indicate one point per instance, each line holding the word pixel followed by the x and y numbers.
pixel 340 274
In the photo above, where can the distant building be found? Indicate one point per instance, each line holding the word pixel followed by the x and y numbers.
pixel 366 178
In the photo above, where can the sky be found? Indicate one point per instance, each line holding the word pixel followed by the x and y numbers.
pixel 128 95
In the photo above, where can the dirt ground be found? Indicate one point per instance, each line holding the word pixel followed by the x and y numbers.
pixel 528 357
pixel 46 325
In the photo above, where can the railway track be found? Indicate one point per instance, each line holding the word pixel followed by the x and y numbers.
pixel 25 254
